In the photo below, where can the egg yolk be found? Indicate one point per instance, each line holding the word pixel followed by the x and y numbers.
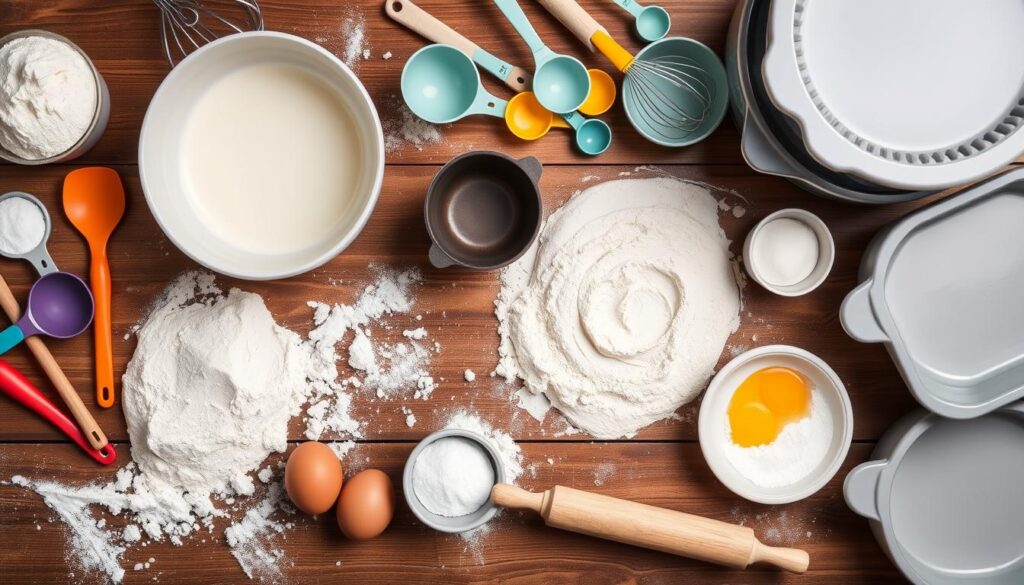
pixel 765 402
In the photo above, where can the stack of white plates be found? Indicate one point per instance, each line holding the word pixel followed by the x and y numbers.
pixel 904 94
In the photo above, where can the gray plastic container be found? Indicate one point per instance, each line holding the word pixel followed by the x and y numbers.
pixel 944 497
pixel 943 289
pixel 771 142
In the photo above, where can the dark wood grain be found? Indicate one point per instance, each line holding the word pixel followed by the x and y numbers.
pixel 457 305
pixel 518 548
pixel 661 466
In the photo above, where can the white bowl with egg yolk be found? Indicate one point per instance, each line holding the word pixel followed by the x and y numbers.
pixel 714 434
pixel 261 156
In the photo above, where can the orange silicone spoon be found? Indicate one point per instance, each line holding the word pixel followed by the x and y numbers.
pixel 94 202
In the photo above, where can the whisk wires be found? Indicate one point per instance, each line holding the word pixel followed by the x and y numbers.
pixel 186 25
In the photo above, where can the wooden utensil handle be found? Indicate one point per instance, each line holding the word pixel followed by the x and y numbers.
pixel 646 526
pixel 575 18
pixel 90 428
pixel 416 19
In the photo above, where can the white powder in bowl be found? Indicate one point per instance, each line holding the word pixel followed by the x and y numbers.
pixel 22 226
pixel 785 251
pixel 453 477
pixel 793 455
pixel 621 310
pixel 48 97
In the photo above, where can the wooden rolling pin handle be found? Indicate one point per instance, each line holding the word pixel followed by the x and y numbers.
pixel 790 559
pixel 510 496
pixel 90 428
pixel 646 526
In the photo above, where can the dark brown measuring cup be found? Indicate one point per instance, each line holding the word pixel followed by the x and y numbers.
pixel 483 210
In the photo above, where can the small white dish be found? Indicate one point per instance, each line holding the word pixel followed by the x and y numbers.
pixel 826 253
pixel 167 183
pixel 712 425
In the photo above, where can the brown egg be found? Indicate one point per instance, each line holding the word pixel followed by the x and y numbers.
pixel 312 477
pixel 367 504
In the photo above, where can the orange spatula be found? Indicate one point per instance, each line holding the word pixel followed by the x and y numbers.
pixel 94 202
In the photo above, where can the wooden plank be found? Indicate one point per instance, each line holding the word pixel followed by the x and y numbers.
pixel 123 39
pixel 518 548
pixel 457 305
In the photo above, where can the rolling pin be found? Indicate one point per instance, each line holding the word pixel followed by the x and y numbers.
pixel 90 428
pixel 646 526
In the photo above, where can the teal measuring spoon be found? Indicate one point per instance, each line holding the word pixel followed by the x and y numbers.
pixel 652 23
pixel 408 14
pixel 440 84
pixel 593 136
pixel 561 82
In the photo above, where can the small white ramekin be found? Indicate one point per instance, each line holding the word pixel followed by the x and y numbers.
pixel 712 425
pixel 99 118
pixel 826 253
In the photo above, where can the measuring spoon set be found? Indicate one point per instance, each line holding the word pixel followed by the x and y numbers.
pixel 61 306
pixel 674 90
pixel 441 83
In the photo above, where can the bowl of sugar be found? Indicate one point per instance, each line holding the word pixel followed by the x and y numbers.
pixel 261 156
pixel 790 252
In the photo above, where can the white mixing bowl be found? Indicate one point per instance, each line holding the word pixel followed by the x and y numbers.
pixel 712 426
pixel 164 173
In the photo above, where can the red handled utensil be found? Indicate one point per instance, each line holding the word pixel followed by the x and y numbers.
pixel 17 386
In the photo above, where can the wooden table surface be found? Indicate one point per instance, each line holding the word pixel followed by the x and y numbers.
pixel 662 465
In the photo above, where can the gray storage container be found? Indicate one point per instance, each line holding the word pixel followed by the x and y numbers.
pixel 943 288
pixel 943 497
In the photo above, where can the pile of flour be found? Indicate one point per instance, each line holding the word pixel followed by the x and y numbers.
pixel 211 388
pixel 47 97
pixel 620 311
pixel 208 396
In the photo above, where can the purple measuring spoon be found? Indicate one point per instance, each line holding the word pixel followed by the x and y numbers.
pixel 60 305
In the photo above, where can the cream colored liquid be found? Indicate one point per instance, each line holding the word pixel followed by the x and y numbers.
pixel 272 156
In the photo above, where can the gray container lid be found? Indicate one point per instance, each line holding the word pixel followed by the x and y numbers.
pixel 942 289
pixel 943 497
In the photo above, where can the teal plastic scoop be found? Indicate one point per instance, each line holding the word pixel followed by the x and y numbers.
pixel 561 82
pixel 593 136
pixel 652 23
pixel 441 85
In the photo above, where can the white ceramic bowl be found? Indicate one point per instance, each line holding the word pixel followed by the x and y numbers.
pixel 826 253
pixel 163 172
pixel 712 425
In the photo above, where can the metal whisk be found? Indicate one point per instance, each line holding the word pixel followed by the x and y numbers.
pixel 673 94
pixel 188 24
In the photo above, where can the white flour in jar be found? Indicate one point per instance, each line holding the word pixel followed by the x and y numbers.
pixel 48 97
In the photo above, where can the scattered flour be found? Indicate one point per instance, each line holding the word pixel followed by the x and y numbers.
pixel 603 472
pixel 410 418
pixel 387 55
pixel 469 375
pixel 353 28
pixel 403 127
pixel 621 309
pixel 502 443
